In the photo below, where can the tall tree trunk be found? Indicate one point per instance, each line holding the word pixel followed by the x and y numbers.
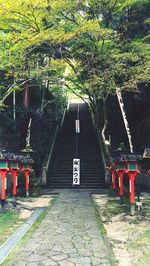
pixel 106 143
pixel 26 95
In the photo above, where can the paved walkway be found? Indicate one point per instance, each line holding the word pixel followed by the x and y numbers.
pixel 69 235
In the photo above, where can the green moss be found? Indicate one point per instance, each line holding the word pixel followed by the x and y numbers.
pixel 24 239
pixel 136 245
pixel 147 234
pixel 141 244
pixel 7 222
pixel 103 233
pixel 144 260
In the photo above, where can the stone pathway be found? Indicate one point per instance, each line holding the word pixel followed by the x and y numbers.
pixel 69 235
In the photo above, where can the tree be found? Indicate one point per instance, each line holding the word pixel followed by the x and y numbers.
pixel 105 44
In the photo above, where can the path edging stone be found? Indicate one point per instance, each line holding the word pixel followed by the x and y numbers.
pixel 11 242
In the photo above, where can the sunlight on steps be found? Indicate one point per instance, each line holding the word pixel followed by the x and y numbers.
pixel 72 98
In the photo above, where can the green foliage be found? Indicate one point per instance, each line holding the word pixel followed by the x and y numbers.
pixel 103 43
pixel 7 221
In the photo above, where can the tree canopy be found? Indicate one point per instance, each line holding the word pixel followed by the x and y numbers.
pixel 91 46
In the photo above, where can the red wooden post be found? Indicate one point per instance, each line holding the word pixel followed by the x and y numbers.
pixel 132 175
pixel 113 176
pixel 27 172
pixel 14 168
pixel 121 187
pixel 27 169
pixel 3 173
pixel 15 175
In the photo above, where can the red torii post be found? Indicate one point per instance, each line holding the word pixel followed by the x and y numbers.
pixel 121 170
pixel 4 169
pixel 26 169
pixel 132 169
pixel 14 168
pixel 113 177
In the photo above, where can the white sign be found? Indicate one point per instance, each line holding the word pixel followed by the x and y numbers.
pixel 77 124
pixel 76 171
pixel 120 100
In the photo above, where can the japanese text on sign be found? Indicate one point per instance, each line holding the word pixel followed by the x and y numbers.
pixel 76 171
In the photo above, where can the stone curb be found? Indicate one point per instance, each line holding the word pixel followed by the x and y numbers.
pixel 10 243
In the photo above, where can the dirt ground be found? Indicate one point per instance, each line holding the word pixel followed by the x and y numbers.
pixel 129 235
pixel 14 217
pixel 27 205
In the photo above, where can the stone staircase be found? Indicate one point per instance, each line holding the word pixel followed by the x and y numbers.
pixel 60 174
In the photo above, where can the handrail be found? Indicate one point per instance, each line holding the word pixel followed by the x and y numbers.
pixel 63 117
pixel 50 153
pixel 51 149
pixel 101 144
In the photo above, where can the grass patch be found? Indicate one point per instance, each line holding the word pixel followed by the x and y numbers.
pixel 8 223
pixel 142 240
pixel 147 234
pixel 143 261
pixel 112 207
pixel 25 238
pixel 135 230
pixel 142 244
pixel 136 245
pixel 103 233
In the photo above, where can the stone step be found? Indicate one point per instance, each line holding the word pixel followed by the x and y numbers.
pixel 92 172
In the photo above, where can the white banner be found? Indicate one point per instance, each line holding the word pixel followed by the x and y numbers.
pixel 77 125
pixel 76 171
pixel 120 100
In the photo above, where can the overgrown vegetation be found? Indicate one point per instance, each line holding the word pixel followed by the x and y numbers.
pixel 89 47
pixel 8 222
pixel 30 232
pixel 104 233
pixel 128 235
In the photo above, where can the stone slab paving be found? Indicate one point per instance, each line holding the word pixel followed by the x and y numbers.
pixel 69 235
